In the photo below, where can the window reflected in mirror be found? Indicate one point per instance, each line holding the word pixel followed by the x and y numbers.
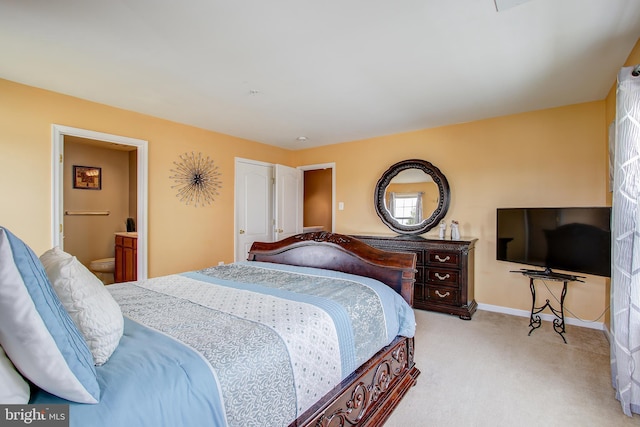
pixel 411 197
pixel 406 207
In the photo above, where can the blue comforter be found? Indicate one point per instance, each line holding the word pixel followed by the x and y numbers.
pixel 242 344
pixel 150 380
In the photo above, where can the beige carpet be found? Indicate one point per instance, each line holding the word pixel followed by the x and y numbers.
pixel 488 372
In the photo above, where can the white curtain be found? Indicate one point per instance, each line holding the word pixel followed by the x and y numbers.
pixel 625 222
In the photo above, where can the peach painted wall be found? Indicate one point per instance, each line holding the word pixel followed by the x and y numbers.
pixel 554 157
pixel 205 234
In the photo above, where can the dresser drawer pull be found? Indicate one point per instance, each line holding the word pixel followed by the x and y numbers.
pixel 442 295
pixel 445 259
pixel 445 277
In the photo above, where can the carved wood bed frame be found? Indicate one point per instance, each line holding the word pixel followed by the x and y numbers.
pixel 369 395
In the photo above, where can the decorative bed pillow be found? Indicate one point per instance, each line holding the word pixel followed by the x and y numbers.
pixel 36 332
pixel 14 390
pixel 94 311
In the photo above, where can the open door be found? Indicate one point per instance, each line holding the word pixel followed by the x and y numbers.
pixel 288 201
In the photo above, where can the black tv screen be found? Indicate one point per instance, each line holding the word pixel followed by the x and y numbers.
pixel 577 240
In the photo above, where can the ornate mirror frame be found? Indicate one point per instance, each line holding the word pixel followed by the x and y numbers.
pixel 443 200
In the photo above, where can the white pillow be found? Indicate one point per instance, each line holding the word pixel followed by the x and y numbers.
pixel 92 308
pixel 36 331
pixel 14 390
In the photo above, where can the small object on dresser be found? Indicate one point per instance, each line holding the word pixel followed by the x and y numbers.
pixel 455 231
pixel 443 228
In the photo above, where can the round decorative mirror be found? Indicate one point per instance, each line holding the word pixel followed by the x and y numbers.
pixel 412 197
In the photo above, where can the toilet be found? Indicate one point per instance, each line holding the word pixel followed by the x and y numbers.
pixel 103 268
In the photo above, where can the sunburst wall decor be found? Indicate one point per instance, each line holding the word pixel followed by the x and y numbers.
pixel 197 179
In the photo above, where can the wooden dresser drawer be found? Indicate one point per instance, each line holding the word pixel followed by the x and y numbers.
pixel 443 295
pixel 451 259
pixel 441 276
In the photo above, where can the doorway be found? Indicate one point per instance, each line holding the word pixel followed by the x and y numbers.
pixel 268 205
pixel 113 142
pixel 320 196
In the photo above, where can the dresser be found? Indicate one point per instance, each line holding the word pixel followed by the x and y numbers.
pixel 126 262
pixel 445 271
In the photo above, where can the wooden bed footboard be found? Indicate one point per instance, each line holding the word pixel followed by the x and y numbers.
pixel 369 395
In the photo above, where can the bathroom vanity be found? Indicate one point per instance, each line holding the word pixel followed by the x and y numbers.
pixel 126 266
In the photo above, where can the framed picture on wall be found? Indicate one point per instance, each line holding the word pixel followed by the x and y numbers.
pixel 87 177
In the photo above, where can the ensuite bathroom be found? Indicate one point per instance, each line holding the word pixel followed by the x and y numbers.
pixel 100 206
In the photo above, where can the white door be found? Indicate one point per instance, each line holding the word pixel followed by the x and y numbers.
pixel 288 201
pixel 254 206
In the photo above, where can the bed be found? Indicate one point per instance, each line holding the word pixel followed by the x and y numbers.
pixel 229 345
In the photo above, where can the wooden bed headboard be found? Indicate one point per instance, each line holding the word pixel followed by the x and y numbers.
pixel 342 253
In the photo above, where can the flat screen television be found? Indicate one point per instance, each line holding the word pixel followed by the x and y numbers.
pixel 576 240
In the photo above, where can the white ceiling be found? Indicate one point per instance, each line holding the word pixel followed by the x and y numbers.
pixel 330 70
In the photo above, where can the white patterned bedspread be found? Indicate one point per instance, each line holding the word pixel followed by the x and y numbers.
pixel 277 337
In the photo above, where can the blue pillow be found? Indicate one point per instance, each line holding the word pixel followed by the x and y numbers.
pixel 36 331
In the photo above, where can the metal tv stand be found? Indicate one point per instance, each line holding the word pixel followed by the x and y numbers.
pixel 534 320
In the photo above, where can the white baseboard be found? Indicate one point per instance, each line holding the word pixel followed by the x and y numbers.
pixel 544 316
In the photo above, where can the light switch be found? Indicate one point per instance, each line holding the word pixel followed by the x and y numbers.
pixel 340 206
